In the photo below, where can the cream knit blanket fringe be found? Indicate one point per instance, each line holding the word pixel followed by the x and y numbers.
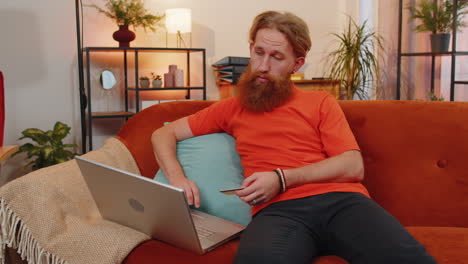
pixel 50 217
pixel 16 235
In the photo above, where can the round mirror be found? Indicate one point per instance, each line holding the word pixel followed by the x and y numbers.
pixel 108 80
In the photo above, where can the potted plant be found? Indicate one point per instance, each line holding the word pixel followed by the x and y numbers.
pixel 157 81
pixel 49 149
pixel 144 82
pixel 434 97
pixel 437 18
pixel 354 62
pixel 128 13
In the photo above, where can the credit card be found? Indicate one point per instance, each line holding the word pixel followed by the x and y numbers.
pixel 230 191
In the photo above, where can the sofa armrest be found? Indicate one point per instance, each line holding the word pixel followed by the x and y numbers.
pixel 7 151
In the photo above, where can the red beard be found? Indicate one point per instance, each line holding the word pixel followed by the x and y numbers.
pixel 263 97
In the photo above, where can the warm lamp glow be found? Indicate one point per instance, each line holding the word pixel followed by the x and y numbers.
pixel 179 20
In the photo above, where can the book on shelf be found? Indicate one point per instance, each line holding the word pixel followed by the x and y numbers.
pixel 228 74
pixel 232 60
pixel 231 69
pixel 231 79
pixel 226 81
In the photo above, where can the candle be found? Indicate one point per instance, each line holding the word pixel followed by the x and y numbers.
pixel 179 78
pixel 168 80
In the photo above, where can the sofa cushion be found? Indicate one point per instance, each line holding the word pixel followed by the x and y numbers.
pixel 415 163
pixel 212 162
pixel 448 245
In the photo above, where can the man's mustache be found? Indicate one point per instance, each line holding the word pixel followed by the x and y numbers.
pixel 267 76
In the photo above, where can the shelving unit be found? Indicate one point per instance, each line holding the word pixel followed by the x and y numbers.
pixel 126 112
pixel 453 54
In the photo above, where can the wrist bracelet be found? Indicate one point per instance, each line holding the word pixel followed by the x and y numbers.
pixel 284 179
pixel 281 180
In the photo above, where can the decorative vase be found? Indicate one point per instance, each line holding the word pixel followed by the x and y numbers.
pixel 157 83
pixel 440 42
pixel 144 83
pixel 124 36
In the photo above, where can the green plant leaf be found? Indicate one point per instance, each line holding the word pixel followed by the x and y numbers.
pixel 354 62
pixel 65 154
pixel 60 131
pixel 36 151
pixel 47 151
pixel 437 17
pixel 35 134
pixel 60 159
pixel 50 149
pixel 28 147
pixel 129 12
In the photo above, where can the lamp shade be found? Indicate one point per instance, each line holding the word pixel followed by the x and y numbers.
pixel 179 20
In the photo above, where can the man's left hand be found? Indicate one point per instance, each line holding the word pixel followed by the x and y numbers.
pixel 259 187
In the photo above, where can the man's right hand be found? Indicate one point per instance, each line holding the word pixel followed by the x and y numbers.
pixel 190 188
pixel 164 141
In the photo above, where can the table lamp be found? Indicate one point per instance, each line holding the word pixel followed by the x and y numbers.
pixel 178 21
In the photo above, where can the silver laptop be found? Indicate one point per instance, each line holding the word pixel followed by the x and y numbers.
pixel 156 209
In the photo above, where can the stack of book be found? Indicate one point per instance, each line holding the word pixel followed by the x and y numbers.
pixel 229 69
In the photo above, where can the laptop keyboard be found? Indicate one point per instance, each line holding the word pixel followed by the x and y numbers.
pixel 203 232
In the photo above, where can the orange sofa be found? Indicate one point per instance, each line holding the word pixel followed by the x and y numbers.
pixel 415 167
pixel 415 160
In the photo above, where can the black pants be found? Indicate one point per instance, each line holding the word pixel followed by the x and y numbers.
pixel 348 225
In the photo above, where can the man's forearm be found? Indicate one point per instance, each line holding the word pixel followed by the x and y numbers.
pixel 164 142
pixel 346 167
pixel 164 148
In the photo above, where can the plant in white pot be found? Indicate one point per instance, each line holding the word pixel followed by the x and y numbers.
pixel 157 81
pixel 437 17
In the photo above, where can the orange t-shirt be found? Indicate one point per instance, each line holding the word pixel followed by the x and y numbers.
pixel 309 128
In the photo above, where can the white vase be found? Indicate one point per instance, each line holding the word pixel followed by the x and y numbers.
pixel 157 83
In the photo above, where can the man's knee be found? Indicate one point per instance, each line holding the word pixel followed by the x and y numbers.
pixel 270 239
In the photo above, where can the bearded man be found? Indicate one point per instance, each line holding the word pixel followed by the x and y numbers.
pixel 302 164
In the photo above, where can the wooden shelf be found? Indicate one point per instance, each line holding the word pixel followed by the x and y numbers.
pixel 111 114
pixel 143 49
pixel 328 85
pixel 166 89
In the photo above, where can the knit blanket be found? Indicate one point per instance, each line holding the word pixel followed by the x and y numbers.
pixel 49 215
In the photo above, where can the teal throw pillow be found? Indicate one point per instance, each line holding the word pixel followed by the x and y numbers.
pixel 212 162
